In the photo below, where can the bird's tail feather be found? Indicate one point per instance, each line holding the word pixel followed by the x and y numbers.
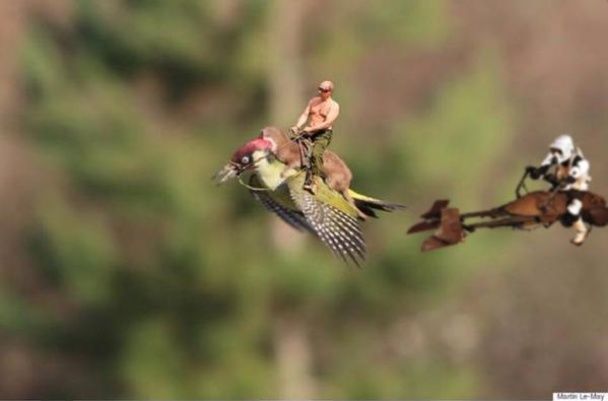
pixel 369 205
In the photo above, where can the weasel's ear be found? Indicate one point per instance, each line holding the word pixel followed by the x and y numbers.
pixel 273 143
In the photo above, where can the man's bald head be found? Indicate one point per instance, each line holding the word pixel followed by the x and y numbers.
pixel 326 86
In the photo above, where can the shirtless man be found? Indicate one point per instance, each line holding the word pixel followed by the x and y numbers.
pixel 315 124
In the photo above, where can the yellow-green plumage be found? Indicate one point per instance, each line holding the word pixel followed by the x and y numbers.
pixel 269 171
pixel 326 214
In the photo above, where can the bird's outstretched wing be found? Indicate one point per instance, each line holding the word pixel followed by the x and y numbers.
pixel 272 202
pixel 333 219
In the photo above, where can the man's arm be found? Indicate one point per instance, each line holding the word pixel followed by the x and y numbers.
pixel 549 160
pixel 545 165
pixel 303 117
pixel 580 167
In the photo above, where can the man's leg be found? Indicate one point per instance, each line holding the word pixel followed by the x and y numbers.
pixel 307 164
pixel 321 142
pixel 582 232
pixel 573 218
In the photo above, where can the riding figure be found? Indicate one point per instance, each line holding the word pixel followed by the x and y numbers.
pixel 314 128
pixel 566 169
pixel 569 201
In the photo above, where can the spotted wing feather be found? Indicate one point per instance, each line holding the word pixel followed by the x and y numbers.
pixel 339 231
pixel 292 217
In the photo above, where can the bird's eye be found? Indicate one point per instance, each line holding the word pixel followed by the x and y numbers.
pixel 245 160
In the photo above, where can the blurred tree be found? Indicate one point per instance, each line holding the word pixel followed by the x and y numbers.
pixel 286 29
pixel 148 282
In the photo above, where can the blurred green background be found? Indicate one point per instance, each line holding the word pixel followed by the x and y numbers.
pixel 126 273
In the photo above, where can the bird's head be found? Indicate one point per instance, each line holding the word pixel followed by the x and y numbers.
pixel 245 158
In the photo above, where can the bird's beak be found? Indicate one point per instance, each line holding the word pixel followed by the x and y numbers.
pixel 229 172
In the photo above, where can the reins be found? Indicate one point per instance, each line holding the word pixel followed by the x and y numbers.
pixel 252 163
pixel 240 179
pixel 252 188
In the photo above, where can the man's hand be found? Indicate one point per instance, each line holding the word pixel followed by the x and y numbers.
pixel 534 172
pixel 308 131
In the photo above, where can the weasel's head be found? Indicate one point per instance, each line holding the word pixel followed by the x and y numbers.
pixel 274 136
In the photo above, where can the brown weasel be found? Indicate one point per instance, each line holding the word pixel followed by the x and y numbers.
pixel 337 174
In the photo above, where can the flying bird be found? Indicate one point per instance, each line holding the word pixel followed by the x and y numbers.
pixel 331 214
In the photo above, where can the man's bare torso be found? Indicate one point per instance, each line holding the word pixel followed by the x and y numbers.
pixel 319 109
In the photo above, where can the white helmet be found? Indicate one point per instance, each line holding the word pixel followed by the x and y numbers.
pixel 565 145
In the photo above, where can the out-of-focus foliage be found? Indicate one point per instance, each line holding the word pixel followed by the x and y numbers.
pixel 148 281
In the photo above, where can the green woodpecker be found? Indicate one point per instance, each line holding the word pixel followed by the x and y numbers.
pixel 325 214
